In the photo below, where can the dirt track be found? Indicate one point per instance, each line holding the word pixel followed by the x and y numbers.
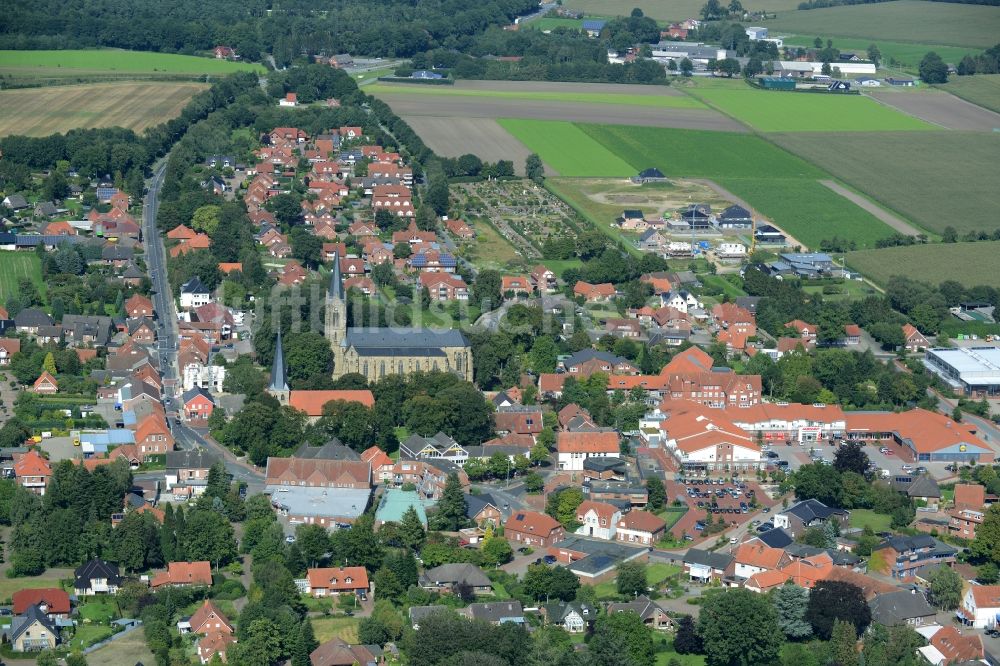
pixel 941 108
pixel 896 223
pixel 409 105
pixel 484 137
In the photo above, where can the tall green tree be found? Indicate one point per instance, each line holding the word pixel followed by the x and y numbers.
pixel 933 69
pixel 657 494
pixel 791 603
pixel 622 638
pixel 739 627
pixel 832 600
pixel 844 644
pixel 945 588
pixel 411 530
pixel 631 579
pixel 449 514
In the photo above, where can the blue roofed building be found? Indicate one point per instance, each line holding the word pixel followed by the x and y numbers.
pixel 425 74
pixel 593 27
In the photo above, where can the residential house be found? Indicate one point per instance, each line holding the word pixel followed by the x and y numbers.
pixel 652 174
pixel 444 286
pixel 214 643
pixel 593 293
pixel 457 228
pixel 182 574
pixel 188 469
pixel 290 99
pixel 623 328
pixel 588 361
pixel 903 607
pixel 515 286
pixel 597 519
pixel 51 601
pixel 572 617
pixel 138 305
pixel 519 420
pixel 32 472
pixel 318 473
pixel 962 523
pixel 194 294
pixel 754 557
pixel 530 528
pixel 920 488
pixel 907 557
pixel 197 404
pixel 735 217
pixel 8 347
pixel 206 620
pixel 32 632
pixel 29 320
pixel 950 647
pixel 805 514
pixel 497 612
pixel 417 447
pixel 96 577
pixel 153 436
pixel 980 606
pixel 543 279
pixel 380 462
pixel 337 652
pixel 455 578
pixel 970 496
pixel 652 614
pixel 334 581
pixel 573 448
pixel 640 527
pixel 483 510
pixel 913 340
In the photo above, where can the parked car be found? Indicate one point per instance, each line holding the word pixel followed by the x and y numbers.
pixel 549 559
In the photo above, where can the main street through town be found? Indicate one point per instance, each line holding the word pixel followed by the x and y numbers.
pixel 168 336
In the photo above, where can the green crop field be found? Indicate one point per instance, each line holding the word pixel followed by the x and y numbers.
pixel 664 101
pixel 902 21
pixel 981 89
pixel 936 179
pixel 972 264
pixel 548 23
pixel 905 54
pixel 666 10
pixel 775 111
pixel 778 184
pixel 17 265
pixel 116 60
pixel 567 149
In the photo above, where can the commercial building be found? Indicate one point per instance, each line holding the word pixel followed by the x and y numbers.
pixel 921 435
pixel 974 371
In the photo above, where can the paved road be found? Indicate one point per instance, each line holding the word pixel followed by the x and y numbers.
pixel 168 335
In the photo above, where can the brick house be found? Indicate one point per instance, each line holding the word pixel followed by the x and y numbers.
pixel 197 404
pixel 183 574
pixel 531 528
pixel 914 340
pixel 333 581
pixel 640 527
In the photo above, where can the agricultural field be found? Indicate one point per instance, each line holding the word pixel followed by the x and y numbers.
pixel 903 54
pixel 568 149
pixel 916 21
pixel 655 96
pixel 972 264
pixel 135 106
pixel 53 66
pixel 773 111
pixel 775 183
pixel 551 23
pixel 981 89
pixel 667 10
pixel 13 267
pixel 935 179
pixel 940 108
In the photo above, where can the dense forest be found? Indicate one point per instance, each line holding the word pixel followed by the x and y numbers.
pixel 255 27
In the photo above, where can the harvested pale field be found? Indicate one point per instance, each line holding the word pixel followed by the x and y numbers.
pixel 484 137
pixel 545 91
pixel 569 87
pixel 135 106
pixel 941 109
pixel 444 106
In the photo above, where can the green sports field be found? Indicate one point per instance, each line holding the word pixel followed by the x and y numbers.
pixel 567 148
pixel 981 89
pixel 778 184
pixel 936 179
pixel 115 60
pixel 906 55
pixel 913 21
pixel 664 101
pixel 775 111
pixel 17 265
pixel 972 264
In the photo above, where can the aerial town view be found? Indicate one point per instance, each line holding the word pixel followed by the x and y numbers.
pixel 500 333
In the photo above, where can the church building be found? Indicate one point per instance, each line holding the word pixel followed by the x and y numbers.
pixel 376 352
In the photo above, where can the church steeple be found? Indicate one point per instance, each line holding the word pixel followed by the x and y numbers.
pixel 279 381
pixel 336 308
pixel 336 289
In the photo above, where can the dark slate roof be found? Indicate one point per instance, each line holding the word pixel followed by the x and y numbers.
pixel 418 613
pixel 132 271
pixel 604 464
pixel 894 608
pixel 194 286
pixel 839 557
pixel 96 568
pixel 32 318
pixel 456 574
pixel 735 213
pixel 708 558
pixel 332 450
pixel 916 486
pixel 476 503
pixel 925 542
pixel 585 355
pixel 116 253
pixel 387 341
pixel 19 624
pixel 196 391
pixel 652 172
pixel 776 538
pixel 812 509
pixel 336 289
pixel 497 611
pixel 278 380
pixel 558 611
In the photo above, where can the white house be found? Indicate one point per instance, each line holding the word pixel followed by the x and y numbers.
pixel 680 300
pixel 981 605
pixel 573 448
pixel 598 519
pixel 209 377
pixel 731 251
pixel 194 293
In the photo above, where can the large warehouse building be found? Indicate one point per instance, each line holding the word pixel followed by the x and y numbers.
pixel 974 371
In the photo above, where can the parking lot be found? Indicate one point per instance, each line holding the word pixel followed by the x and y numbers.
pixel 723 499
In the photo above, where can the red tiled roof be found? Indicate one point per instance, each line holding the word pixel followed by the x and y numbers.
pixel 587 442
pixel 56 599
pixel 376 457
pixel 32 464
pixel 205 614
pixel 642 521
pixel 335 578
pixel 184 573
pixel 533 522
pixel 970 495
pixel 311 402
pixel 757 554
pixel 986 596
pixel 957 647
pixel 602 509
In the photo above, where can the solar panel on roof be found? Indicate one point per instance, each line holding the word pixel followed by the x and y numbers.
pixel 519 516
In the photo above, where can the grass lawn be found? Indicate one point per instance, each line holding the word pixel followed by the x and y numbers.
pixel 17 265
pixel 671 516
pixel 877 521
pixel 567 148
pixel 86 635
pixel 99 609
pixel 981 89
pixel 129 649
pixel 662 101
pixel 343 627
pixel 972 264
pixel 721 283
pixel 664 659
pixel 557 266
pixel 118 60
pixel 775 111
pixel 51 578
pixel 906 55
pixel 655 574
pixel 902 21
pixel 893 169
pixel 489 249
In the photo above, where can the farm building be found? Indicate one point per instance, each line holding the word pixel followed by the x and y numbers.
pixel 777 83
